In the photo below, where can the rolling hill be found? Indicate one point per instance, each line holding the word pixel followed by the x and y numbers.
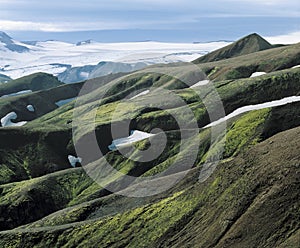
pixel 240 186
pixel 249 44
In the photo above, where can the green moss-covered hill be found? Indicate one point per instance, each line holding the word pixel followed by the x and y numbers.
pixel 249 44
pixel 250 200
pixel 34 82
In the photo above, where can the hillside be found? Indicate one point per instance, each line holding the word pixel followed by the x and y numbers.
pixel 193 163
pixel 267 61
pixel 34 82
pixel 249 44
pixel 4 79
pixel 244 204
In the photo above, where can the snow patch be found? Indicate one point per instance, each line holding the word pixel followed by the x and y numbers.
pixel 141 94
pixel 17 93
pixel 296 66
pixel 65 101
pixel 245 109
pixel 200 83
pixel 84 75
pixel 257 74
pixel 134 137
pixel 6 121
pixel 30 108
pixel 73 160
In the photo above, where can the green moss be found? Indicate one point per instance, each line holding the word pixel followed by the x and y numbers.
pixel 6 174
pixel 245 132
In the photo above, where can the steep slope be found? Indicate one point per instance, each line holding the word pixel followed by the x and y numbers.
pixel 249 44
pixel 270 60
pixel 42 102
pixel 8 43
pixel 58 123
pixel 239 206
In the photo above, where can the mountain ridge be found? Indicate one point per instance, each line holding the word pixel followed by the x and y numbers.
pixel 246 45
pixel 10 44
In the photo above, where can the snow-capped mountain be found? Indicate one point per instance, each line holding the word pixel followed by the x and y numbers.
pixel 19 59
pixel 77 74
pixel 6 42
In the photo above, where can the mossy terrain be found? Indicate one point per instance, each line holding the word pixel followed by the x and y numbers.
pixel 249 200
pixel 215 213
pixel 249 44
pixel 269 60
pixel 34 82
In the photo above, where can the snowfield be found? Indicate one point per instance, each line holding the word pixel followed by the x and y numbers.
pixel 245 109
pixel 55 57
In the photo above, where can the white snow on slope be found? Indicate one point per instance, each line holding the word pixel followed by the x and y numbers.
pixel 73 160
pixel 245 109
pixel 141 94
pixel 296 66
pixel 257 74
pixel 17 93
pixel 134 137
pixel 6 121
pixel 200 83
pixel 65 101
pixel 84 75
pixel 44 56
pixel 30 108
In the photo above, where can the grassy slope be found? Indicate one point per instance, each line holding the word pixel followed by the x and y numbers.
pixel 43 100
pixel 58 123
pixel 34 82
pixel 243 66
pixel 250 127
pixel 217 213
pixel 249 44
pixel 213 214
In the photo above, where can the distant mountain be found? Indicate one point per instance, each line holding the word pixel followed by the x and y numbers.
pixel 80 43
pixel 20 59
pixel 77 74
pixel 249 44
pixel 10 44
pixel 4 78
pixel 105 68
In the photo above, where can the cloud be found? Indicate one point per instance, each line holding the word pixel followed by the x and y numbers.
pixel 285 39
pixel 7 25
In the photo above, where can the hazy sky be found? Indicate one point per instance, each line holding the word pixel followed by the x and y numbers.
pixel 173 20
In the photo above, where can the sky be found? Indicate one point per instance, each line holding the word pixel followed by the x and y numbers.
pixel 139 20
